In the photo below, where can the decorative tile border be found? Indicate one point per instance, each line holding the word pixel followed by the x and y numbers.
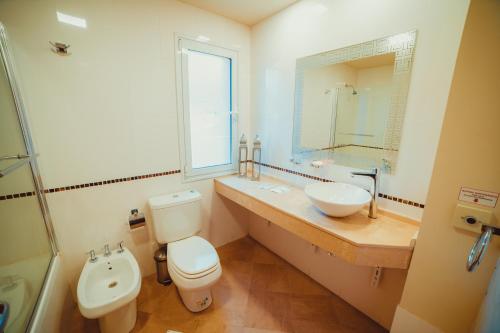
pixel 400 200
pixel 100 183
pixel 172 172
pixel 16 195
pixel 380 195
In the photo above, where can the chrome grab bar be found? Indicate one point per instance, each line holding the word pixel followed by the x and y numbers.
pixel 23 159
pixel 479 248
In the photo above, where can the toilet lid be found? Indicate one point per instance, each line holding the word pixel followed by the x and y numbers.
pixel 192 255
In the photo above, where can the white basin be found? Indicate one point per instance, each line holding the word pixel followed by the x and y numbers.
pixel 337 199
pixel 107 289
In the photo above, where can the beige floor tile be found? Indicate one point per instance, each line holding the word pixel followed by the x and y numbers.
pixel 236 273
pixel 351 318
pixel 229 305
pixel 270 278
pixel 241 249
pixel 258 330
pixel 150 323
pixel 301 284
pixel 311 308
pixel 152 296
pixel 172 309
pixel 262 255
pixel 307 326
pixel 267 310
pixel 216 324
pixel 79 324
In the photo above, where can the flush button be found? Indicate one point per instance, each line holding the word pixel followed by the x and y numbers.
pixel 470 219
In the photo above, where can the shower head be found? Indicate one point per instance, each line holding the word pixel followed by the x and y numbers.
pixel 354 92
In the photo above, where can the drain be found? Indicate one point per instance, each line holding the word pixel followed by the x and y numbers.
pixel 112 284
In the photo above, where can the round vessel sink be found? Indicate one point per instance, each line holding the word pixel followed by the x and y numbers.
pixel 337 199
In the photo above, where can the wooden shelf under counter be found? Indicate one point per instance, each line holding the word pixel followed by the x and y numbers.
pixel 387 241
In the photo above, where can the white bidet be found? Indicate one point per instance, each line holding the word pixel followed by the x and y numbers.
pixel 107 290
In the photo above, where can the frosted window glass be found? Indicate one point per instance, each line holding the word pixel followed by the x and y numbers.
pixel 209 78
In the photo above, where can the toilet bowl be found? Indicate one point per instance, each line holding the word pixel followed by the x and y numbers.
pixel 107 290
pixel 194 267
pixel 193 263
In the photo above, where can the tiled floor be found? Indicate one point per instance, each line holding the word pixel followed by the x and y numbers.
pixel 258 293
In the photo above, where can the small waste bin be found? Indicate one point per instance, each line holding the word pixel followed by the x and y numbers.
pixel 162 275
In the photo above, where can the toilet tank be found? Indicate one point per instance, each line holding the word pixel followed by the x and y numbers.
pixel 176 216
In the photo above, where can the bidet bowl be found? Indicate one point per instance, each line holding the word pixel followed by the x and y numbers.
pixel 108 284
pixel 337 199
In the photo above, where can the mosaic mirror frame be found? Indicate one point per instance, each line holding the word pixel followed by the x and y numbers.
pixel 403 46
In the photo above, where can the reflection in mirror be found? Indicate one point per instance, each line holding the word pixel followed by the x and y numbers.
pixel 350 103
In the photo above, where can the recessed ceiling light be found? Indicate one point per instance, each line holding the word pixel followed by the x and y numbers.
pixel 72 20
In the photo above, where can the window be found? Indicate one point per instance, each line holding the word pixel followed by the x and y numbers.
pixel 206 84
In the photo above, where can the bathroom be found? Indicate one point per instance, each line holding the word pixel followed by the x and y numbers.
pixel 100 115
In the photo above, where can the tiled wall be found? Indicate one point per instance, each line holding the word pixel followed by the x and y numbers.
pixel 104 118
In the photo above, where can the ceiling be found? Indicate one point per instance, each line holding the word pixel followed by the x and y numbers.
pixel 248 12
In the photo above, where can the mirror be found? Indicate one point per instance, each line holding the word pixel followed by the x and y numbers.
pixel 350 103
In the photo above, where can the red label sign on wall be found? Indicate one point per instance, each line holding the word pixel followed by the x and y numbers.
pixel 483 198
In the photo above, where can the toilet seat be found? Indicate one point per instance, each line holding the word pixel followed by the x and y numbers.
pixel 193 276
pixel 192 256
pixel 193 263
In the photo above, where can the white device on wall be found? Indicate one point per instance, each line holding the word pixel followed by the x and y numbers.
pixel 479 220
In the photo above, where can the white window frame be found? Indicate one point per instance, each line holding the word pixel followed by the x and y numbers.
pixel 190 173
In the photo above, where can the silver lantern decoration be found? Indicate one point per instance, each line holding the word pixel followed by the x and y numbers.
pixel 242 157
pixel 256 158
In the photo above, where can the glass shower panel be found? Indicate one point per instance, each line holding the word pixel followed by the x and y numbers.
pixel 362 117
pixel 25 249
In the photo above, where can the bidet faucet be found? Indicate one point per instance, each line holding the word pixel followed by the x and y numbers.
pixel 107 251
pixel 93 257
pixel 374 174
pixel 120 247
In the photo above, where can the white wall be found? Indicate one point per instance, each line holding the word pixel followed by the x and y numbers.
pixel 318 106
pixel 108 111
pixel 314 26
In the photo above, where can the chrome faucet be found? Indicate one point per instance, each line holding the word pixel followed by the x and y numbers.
pixel 375 175
pixel 120 247
pixel 107 251
pixel 93 257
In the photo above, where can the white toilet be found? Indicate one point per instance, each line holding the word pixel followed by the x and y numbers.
pixel 193 263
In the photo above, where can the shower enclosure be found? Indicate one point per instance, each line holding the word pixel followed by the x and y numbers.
pixel 27 245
